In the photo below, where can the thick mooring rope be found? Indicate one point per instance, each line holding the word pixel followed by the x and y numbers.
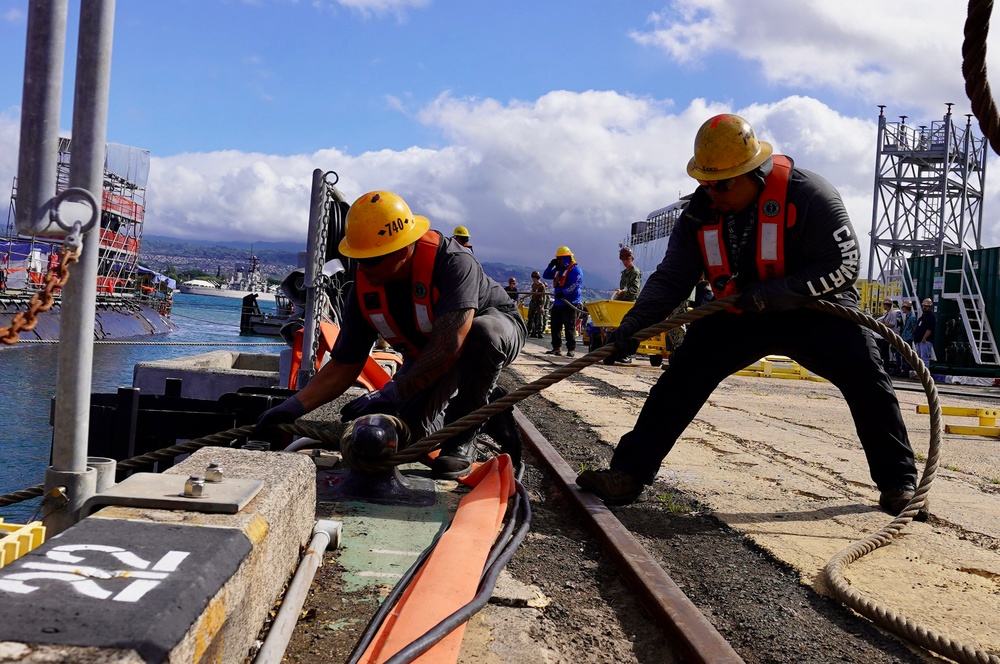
pixel 977 85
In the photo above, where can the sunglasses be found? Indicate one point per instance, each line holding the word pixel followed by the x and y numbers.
pixel 718 185
pixel 370 262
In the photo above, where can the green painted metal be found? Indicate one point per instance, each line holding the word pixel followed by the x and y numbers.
pixel 928 273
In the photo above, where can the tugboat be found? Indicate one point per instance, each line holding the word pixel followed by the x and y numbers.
pixel 132 300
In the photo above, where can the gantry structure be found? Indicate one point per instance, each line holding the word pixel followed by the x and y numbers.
pixel 928 201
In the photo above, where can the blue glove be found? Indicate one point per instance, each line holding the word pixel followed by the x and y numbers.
pixel 286 412
pixel 386 400
pixel 625 345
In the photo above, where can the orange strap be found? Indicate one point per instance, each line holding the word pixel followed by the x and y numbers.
pixel 450 576
pixel 373 376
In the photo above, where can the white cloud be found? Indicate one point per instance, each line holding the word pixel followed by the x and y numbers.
pixel 525 177
pixel 891 51
pixel 375 8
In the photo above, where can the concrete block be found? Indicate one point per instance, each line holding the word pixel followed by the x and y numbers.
pixel 208 375
pixel 220 617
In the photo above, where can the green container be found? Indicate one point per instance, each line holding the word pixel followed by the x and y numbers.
pixel 950 340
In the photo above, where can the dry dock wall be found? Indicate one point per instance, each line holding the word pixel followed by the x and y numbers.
pixel 137 584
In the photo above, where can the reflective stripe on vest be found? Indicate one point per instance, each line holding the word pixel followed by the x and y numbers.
pixel 774 215
pixel 375 307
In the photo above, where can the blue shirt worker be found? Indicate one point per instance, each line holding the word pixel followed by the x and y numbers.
pixel 567 287
pixel 430 300
pixel 778 237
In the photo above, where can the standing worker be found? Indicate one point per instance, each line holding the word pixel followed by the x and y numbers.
pixel 461 235
pixel 430 299
pixel 536 307
pixel 923 333
pixel 567 286
pixel 628 286
pixel 779 237
pixel 631 279
pixel 511 289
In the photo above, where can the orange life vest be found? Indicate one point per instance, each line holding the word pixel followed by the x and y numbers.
pixel 375 306
pixel 774 216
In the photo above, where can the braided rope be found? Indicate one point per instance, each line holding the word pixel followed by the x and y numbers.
pixel 835 567
pixel 977 86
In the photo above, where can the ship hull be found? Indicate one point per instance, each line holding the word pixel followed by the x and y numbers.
pixel 113 319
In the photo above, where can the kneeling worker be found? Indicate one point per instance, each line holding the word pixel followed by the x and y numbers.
pixel 778 237
pixel 429 298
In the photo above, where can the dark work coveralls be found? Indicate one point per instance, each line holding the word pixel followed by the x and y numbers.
pixel 821 262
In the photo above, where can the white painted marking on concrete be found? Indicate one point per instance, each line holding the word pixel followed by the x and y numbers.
pixel 135 590
pixel 380 575
pixel 391 552
pixel 171 561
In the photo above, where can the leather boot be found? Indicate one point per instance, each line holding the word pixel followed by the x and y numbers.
pixel 454 461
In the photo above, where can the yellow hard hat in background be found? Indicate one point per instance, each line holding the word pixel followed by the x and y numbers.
pixel 563 251
pixel 461 231
pixel 379 223
pixel 726 146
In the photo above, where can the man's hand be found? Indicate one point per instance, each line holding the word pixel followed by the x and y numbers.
pixel 286 412
pixel 386 400
pixel 625 345
pixel 554 264
pixel 751 300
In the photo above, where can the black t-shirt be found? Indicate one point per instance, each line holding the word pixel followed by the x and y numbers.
pixel 460 282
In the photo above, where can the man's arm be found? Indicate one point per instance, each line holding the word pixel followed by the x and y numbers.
pixel 439 355
pixel 331 381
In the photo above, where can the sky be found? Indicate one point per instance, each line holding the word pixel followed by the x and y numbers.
pixel 533 124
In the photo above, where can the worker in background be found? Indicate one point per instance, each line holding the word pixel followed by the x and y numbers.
pixel 461 235
pixel 778 237
pixel 511 288
pixel 631 278
pixel 429 298
pixel 628 290
pixel 567 289
pixel 536 307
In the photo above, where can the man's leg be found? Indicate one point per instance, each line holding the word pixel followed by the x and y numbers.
pixel 714 348
pixel 556 328
pixel 494 341
pixel 844 353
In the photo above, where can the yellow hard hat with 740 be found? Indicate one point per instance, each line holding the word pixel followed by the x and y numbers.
pixel 726 146
pixel 379 223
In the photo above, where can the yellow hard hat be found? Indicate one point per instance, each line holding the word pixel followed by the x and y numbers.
pixel 564 251
pixel 461 231
pixel 379 223
pixel 725 147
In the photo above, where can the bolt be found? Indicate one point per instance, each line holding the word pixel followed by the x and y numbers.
pixel 213 472
pixel 194 487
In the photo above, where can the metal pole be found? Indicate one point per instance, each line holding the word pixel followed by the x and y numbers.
pixel 76 328
pixel 43 73
pixel 314 269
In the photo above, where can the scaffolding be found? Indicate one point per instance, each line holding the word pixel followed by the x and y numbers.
pixel 123 200
pixel 928 201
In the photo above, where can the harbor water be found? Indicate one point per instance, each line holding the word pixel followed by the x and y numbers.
pixel 28 383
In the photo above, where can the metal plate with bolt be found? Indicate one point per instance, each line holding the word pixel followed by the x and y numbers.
pixel 166 491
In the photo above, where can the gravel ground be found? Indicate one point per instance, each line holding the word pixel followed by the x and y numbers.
pixel 756 603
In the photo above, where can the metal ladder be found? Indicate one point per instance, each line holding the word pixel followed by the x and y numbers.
pixel 973 309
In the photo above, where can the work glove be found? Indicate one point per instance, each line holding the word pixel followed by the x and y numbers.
pixel 554 264
pixel 286 412
pixel 625 345
pixel 751 300
pixel 386 400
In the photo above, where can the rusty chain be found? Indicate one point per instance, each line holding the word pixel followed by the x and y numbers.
pixel 41 301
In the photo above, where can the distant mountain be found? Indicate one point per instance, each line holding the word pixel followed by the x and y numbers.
pixel 160 241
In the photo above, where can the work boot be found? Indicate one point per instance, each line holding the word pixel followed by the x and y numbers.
pixel 894 501
pixel 612 486
pixel 554 351
pixel 454 461
pixel 570 353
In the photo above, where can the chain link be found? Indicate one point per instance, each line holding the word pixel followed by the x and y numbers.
pixel 55 279
pixel 319 292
